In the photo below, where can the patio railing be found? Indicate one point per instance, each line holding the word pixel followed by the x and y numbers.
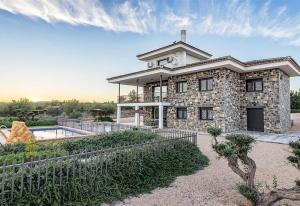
pixel 143 98
pixel 97 127
pixel 18 180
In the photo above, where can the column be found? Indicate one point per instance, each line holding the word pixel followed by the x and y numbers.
pixel 160 84
pixel 137 117
pixel 119 114
pixel 137 90
pixel 119 97
pixel 161 117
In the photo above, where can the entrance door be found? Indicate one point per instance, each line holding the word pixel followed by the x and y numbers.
pixel 255 119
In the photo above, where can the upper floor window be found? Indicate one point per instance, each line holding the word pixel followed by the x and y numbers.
pixel 182 113
pixel 181 87
pixel 162 62
pixel 253 85
pixel 206 84
pixel 206 113
pixel 156 92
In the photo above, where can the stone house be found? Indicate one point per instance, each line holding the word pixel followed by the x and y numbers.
pixel 185 88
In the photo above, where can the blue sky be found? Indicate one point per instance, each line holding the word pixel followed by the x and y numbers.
pixel 64 49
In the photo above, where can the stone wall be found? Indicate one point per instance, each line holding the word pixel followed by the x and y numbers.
pixel 267 99
pixel 229 100
pixel 284 101
pixel 225 84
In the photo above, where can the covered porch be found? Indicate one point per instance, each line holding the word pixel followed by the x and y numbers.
pixel 138 106
pixel 154 93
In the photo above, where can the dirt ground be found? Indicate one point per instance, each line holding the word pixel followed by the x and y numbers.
pixel 215 185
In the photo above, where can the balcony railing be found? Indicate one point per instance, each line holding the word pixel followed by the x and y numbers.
pixel 142 98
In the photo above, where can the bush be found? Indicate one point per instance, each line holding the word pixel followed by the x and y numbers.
pixel 41 122
pixel 106 119
pixel 295 110
pixel 75 115
pixel 214 131
pixel 34 151
pixel 110 140
pixel 93 188
pixel 247 192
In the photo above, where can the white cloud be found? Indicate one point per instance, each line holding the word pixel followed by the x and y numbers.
pixel 171 22
pixel 241 18
pixel 228 17
pixel 84 12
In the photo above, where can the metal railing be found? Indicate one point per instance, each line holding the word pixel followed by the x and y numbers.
pixel 97 127
pixel 143 98
pixel 18 180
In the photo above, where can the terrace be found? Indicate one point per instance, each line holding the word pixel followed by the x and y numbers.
pixel 157 98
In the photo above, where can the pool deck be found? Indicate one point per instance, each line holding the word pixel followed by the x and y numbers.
pixel 4 133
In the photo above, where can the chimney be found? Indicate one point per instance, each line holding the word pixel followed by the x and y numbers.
pixel 183 35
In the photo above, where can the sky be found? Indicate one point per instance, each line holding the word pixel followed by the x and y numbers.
pixel 65 49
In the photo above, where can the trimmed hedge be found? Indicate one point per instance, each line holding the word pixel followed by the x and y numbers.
pixel 16 152
pixel 295 110
pixel 110 140
pixel 41 122
pixel 140 176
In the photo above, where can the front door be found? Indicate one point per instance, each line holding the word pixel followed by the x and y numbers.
pixel 255 119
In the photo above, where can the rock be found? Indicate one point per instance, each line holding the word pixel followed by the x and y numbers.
pixel 20 134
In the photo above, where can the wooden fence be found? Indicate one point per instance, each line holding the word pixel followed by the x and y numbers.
pixel 17 180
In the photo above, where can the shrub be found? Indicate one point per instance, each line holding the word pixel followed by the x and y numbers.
pixel 30 123
pixel 214 131
pixel 106 119
pixel 41 122
pixel 247 192
pixel 93 188
pixel 110 140
pixel 75 115
pixel 295 110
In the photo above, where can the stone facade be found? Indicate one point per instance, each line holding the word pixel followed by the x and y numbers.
pixel 284 101
pixel 275 93
pixel 228 99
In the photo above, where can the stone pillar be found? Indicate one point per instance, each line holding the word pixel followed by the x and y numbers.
pixel 137 117
pixel 118 114
pixel 161 117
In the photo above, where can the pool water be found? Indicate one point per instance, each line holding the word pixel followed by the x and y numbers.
pixel 56 133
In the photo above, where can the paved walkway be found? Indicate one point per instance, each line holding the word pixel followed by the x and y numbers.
pixel 285 138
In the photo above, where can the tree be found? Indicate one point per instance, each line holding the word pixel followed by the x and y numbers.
pixel 20 108
pixel 71 106
pixel 132 96
pixel 295 100
pixel 235 150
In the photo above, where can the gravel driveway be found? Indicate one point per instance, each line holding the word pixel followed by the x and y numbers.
pixel 215 185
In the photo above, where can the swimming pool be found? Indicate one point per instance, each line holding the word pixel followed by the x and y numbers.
pixel 56 133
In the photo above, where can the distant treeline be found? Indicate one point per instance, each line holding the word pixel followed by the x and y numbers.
pixel 71 108
pixel 295 101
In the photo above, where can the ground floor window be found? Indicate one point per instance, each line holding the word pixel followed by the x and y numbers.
pixel 182 113
pixel 206 113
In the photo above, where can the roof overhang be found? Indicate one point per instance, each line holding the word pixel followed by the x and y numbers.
pixel 179 46
pixel 153 75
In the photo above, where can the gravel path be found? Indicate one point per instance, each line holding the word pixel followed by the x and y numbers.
pixel 215 185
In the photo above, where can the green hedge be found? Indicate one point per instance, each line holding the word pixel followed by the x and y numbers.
pixel 110 140
pixel 41 122
pixel 16 152
pixel 295 110
pixel 93 188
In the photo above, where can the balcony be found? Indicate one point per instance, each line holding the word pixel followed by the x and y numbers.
pixel 143 98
